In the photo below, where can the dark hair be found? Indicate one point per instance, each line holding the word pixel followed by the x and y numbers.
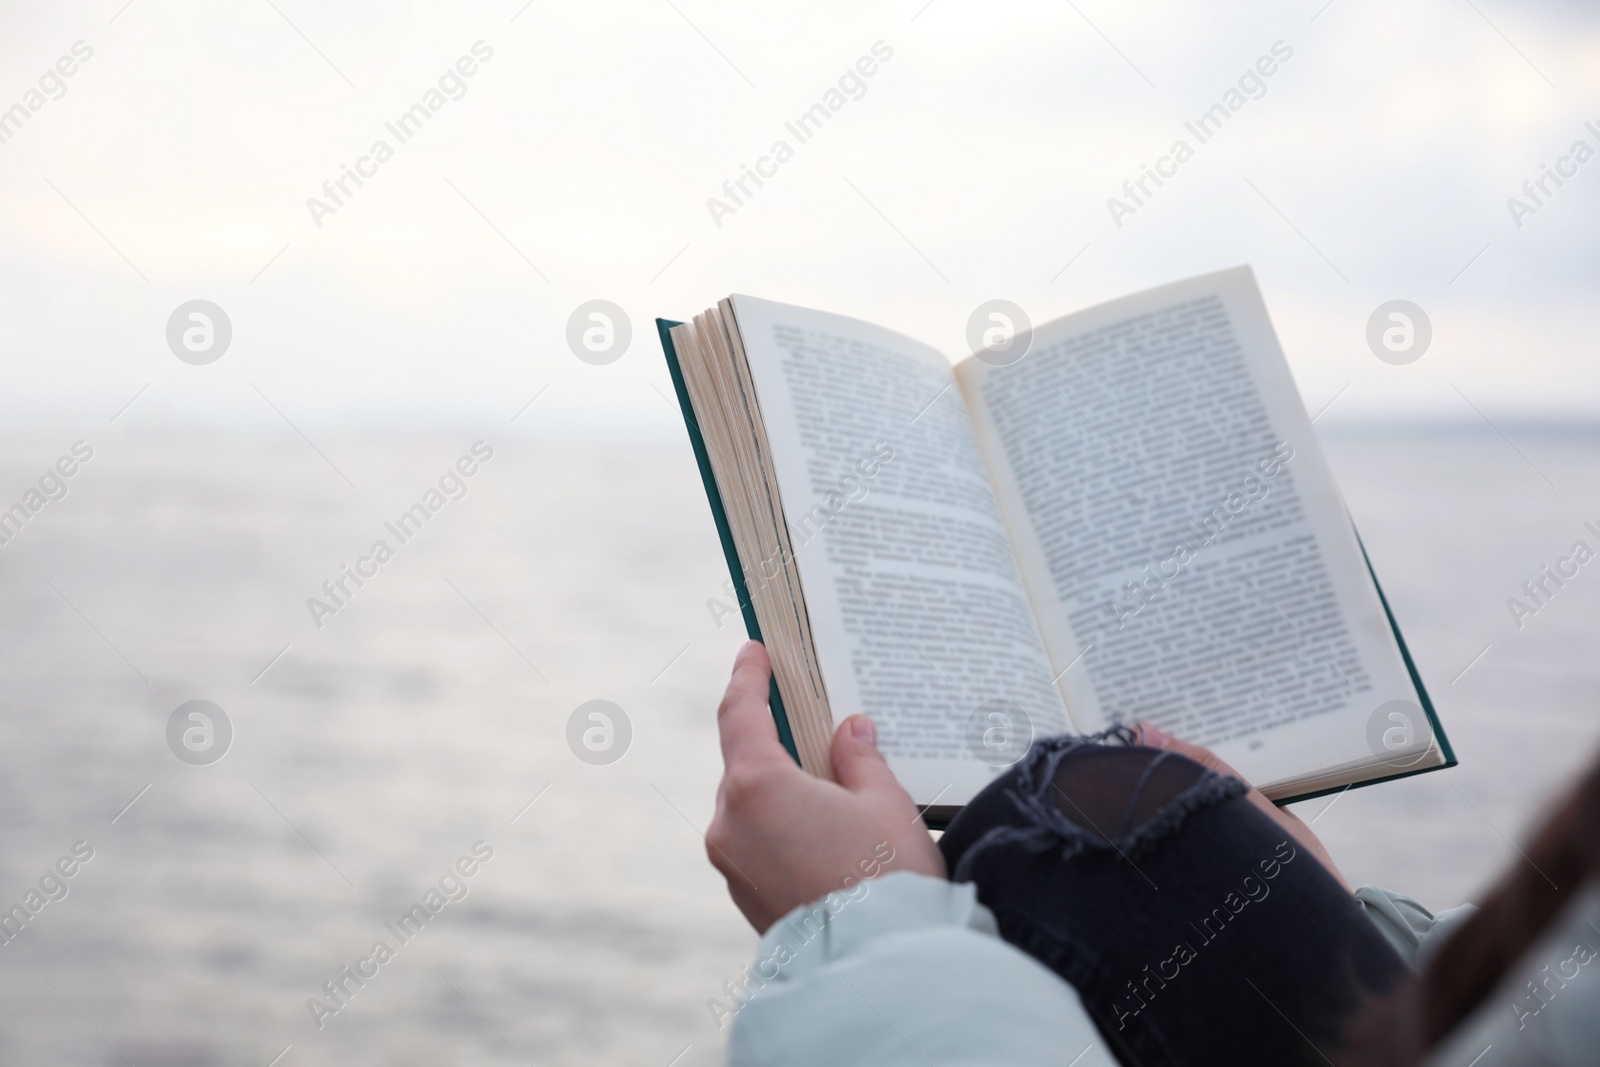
pixel 1400 1028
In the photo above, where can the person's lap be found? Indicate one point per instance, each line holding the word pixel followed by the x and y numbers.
pixel 1194 927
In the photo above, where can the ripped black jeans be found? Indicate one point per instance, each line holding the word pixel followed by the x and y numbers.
pixel 1192 926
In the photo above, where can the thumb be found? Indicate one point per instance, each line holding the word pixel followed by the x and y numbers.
pixel 857 763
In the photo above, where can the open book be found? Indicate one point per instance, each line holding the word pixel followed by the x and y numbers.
pixel 1122 515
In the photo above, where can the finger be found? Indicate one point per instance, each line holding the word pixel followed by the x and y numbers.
pixel 743 719
pixel 857 763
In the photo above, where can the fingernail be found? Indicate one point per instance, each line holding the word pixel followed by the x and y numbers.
pixel 744 650
pixel 862 729
pixel 1152 737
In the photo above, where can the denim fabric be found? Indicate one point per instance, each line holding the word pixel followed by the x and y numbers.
pixel 1192 926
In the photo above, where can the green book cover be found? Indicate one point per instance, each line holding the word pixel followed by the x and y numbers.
pixel 720 516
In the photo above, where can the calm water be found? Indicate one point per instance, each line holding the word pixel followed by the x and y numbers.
pixel 432 707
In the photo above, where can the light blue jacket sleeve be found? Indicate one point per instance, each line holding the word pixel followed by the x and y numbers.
pixel 1414 931
pixel 904 971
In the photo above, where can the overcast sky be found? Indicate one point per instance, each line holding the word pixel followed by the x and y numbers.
pixel 1375 164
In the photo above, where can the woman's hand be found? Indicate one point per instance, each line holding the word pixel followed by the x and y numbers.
pixel 783 838
pixel 1291 823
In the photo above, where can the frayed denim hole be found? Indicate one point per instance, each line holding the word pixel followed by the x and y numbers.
pixel 1209 789
pixel 1040 825
pixel 1167 788
pixel 1102 787
pixel 1135 814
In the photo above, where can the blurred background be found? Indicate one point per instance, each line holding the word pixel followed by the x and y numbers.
pixel 373 341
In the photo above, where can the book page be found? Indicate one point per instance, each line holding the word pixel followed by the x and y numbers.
pixel 1190 559
pixel 918 613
